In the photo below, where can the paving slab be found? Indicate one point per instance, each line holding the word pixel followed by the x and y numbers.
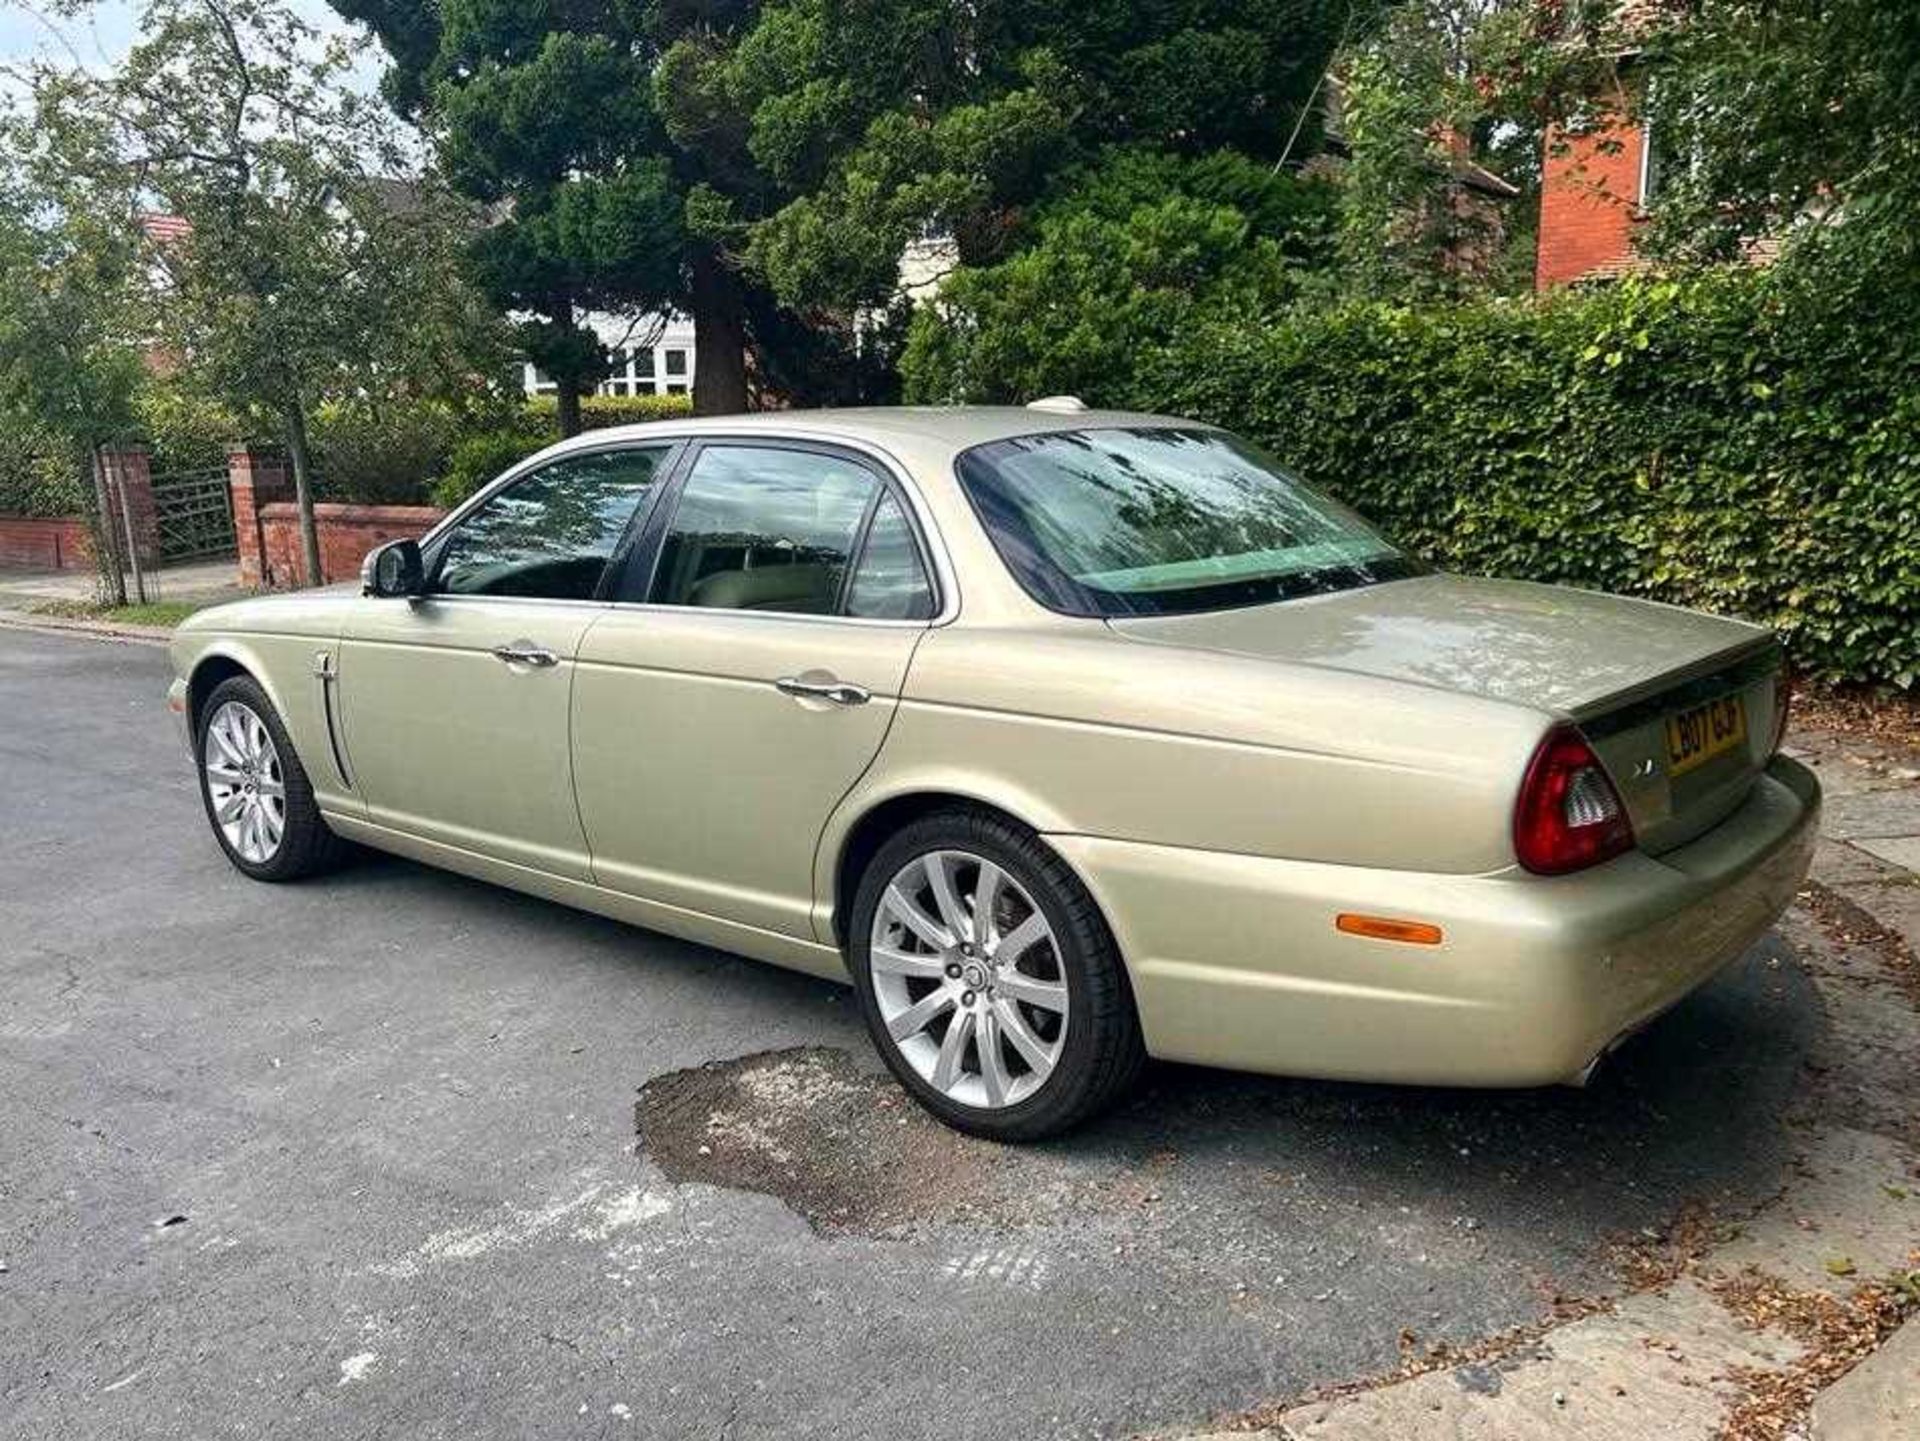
pixel 1878 1400
pixel 1875 814
pixel 1900 850
pixel 1852 1212
pixel 1652 1370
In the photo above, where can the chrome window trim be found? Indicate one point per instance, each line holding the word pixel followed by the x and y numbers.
pixel 933 543
pixel 788 616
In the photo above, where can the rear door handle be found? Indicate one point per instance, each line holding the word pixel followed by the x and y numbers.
pixel 837 691
pixel 525 652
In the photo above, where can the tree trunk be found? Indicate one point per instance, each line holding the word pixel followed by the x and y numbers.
pixel 108 560
pixel 133 545
pixel 296 425
pixel 719 337
pixel 566 392
pixel 566 404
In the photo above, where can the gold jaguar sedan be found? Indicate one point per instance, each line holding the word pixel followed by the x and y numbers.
pixel 1069 737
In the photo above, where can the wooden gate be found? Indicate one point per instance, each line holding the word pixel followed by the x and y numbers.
pixel 193 513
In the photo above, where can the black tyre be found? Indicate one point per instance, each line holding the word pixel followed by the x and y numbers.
pixel 989 980
pixel 255 790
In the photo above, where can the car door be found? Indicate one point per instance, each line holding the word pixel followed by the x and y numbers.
pixel 719 718
pixel 455 703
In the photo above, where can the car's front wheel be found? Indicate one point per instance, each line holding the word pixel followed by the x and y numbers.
pixel 989 980
pixel 256 792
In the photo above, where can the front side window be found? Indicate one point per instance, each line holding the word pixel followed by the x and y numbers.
pixel 1157 520
pixel 550 534
pixel 759 528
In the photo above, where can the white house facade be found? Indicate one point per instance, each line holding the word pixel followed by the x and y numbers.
pixel 652 354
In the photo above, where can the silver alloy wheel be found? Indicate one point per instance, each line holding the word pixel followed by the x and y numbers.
pixel 244 782
pixel 968 979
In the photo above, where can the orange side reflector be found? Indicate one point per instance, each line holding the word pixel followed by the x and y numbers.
pixel 176 705
pixel 1417 933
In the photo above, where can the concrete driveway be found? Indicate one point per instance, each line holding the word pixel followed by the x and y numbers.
pixel 394 1153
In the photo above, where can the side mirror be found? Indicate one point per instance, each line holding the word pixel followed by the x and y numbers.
pixel 392 570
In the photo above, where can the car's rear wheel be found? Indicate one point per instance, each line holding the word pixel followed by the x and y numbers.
pixel 989 980
pixel 257 796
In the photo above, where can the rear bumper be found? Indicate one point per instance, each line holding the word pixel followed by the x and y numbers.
pixel 1235 960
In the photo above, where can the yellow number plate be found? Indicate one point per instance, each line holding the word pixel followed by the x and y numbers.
pixel 1696 736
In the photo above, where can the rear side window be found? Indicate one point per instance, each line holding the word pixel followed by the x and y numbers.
pixel 761 528
pixel 890 582
pixel 1161 520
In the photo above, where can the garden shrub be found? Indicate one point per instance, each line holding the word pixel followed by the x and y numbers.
pixel 478 458
pixel 388 454
pixel 40 473
pixel 186 431
pixel 602 410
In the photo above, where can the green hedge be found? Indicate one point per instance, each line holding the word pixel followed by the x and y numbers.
pixel 40 474
pixel 1745 442
pixel 602 410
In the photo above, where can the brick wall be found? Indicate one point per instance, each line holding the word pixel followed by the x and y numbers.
pixel 58 542
pixel 266 525
pixel 346 534
pixel 130 478
pixel 65 542
pixel 1589 204
pixel 257 478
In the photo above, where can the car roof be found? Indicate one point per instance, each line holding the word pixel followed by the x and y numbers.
pixel 921 428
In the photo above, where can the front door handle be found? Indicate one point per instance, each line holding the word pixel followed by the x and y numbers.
pixel 837 691
pixel 525 652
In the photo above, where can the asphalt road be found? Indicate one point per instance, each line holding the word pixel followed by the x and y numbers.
pixel 391 1117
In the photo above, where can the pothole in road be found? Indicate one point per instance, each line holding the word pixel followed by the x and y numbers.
pixel 845 1148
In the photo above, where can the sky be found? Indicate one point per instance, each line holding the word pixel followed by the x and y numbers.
pixel 102 34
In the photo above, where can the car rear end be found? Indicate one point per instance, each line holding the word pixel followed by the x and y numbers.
pixel 1657 832
pixel 1681 836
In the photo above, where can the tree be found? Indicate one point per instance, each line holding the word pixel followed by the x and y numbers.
pixel 1773 113
pixel 544 115
pixel 1138 251
pixel 295 272
pixel 1417 111
pixel 68 373
pixel 892 121
pixel 764 166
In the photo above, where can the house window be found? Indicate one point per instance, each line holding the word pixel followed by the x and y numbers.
pixel 620 380
pixel 539 382
pixel 676 362
pixel 673 388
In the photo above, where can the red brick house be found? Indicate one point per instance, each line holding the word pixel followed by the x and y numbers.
pixel 1597 183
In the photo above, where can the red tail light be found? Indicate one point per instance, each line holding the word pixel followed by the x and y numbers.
pixel 1569 816
pixel 1782 703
